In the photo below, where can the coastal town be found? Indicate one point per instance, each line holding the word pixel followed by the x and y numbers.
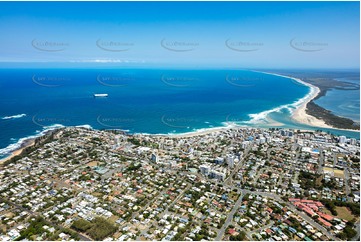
pixel 232 184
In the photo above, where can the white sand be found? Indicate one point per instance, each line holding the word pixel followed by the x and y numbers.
pixel 299 114
pixel 201 132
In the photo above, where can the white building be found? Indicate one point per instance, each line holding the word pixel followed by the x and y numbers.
pixel 342 139
pixel 230 160
pixel 353 141
pixel 205 169
pixel 217 175
pixel 262 140
pixel 155 158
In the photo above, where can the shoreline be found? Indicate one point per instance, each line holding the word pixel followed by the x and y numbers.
pixel 203 131
pixel 27 143
pixel 299 114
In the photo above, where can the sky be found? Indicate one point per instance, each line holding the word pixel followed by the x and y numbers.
pixel 180 34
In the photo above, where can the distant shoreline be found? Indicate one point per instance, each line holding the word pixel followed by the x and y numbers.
pixel 301 113
pixel 325 82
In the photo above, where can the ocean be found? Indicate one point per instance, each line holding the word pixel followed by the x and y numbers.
pixel 153 101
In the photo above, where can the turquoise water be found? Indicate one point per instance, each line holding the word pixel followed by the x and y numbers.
pixel 151 101
pixel 345 103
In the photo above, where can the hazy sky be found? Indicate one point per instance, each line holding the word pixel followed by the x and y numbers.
pixel 181 34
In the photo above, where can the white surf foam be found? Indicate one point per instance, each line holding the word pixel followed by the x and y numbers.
pixel 12 147
pixel 14 116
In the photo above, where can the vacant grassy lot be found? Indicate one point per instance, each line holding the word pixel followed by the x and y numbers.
pixel 344 213
pixel 326 211
pixel 339 173
pixel 99 228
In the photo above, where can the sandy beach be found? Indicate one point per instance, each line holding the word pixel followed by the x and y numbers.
pixel 299 114
pixel 198 132
pixel 26 144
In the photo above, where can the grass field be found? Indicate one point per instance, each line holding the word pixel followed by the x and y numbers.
pixel 344 213
pixel 326 211
pixel 113 218
pixel 339 173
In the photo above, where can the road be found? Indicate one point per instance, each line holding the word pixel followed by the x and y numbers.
pixel 229 219
pixel 143 232
pixel 258 174
pixel 347 182
pixel 228 181
pixel 334 160
pixel 135 214
pixel 357 236
pixel 240 164
pixel 267 226
pixel 175 200
pixel 321 161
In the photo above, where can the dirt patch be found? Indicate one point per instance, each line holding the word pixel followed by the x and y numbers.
pixel 92 163
pixel 113 218
pixel 319 181
pixel 328 169
pixel 97 194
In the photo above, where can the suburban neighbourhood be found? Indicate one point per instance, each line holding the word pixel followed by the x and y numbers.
pixel 233 184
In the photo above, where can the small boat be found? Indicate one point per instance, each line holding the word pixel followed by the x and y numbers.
pixel 101 95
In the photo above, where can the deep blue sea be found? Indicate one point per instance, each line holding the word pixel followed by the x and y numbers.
pixel 140 100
